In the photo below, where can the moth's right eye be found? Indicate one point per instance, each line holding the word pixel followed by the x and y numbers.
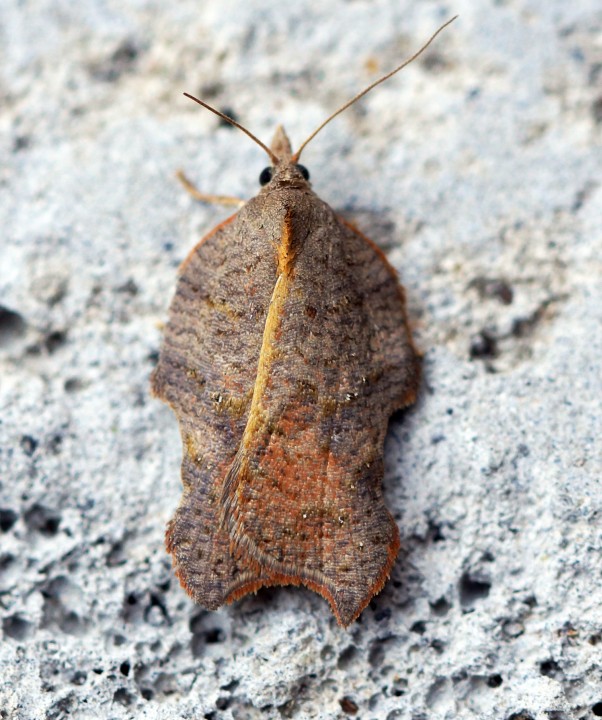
pixel 266 176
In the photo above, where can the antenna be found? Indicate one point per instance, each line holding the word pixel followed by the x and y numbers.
pixel 411 59
pixel 272 156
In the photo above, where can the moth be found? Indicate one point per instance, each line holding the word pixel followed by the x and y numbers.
pixel 286 351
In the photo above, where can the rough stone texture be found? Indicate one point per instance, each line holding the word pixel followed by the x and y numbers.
pixel 478 170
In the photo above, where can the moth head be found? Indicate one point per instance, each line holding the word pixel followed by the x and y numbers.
pixel 286 169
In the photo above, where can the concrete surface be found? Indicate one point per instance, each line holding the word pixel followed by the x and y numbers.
pixel 478 170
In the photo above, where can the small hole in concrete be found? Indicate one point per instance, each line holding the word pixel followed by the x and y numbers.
pixel 214 635
pixel 7 519
pixel 346 657
pixel 28 445
pixel 550 668
pixel 55 340
pixel 43 520
pixel 73 384
pixel 376 655
pixel 12 326
pixel 16 627
pixel 483 346
pixel 383 614
pixel 79 678
pixel 472 589
pixel 494 681
pixel 123 697
pixel 440 607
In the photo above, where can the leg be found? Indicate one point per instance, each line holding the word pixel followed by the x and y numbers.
pixel 203 197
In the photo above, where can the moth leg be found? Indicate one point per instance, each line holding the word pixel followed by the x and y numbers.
pixel 204 197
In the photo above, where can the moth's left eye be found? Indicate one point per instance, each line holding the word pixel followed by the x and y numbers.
pixel 266 176
pixel 304 171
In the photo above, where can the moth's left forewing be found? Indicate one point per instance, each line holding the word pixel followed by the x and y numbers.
pixel 206 372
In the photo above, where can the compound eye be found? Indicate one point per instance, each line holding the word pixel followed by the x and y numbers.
pixel 265 176
pixel 304 171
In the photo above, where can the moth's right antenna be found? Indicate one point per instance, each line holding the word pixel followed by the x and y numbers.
pixel 296 156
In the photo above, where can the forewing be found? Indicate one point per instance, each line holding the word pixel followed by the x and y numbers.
pixel 303 498
pixel 206 372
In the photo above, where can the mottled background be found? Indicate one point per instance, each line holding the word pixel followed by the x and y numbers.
pixel 478 170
